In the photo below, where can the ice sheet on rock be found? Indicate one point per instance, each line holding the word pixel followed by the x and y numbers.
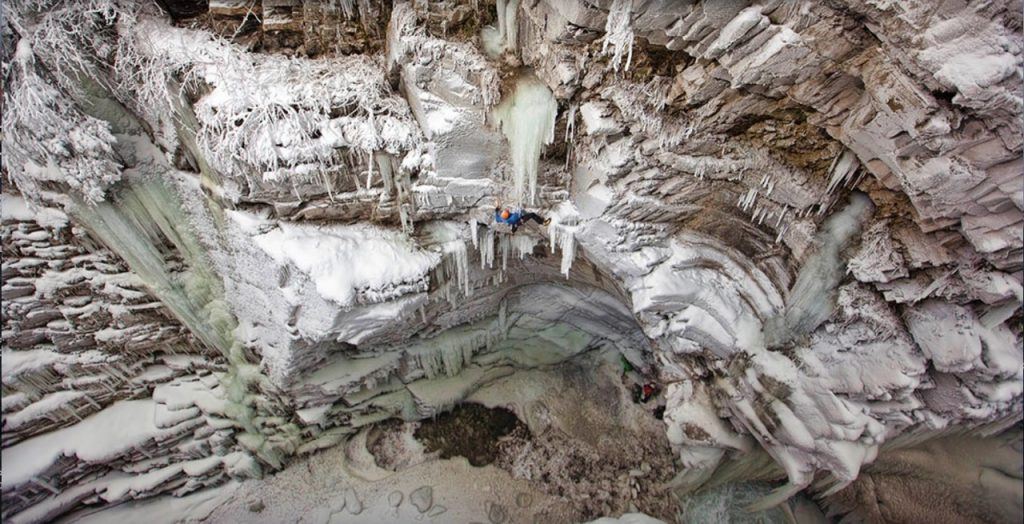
pixel 971 55
pixel 344 261
pixel 183 394
pixel 864 352
pixel 192 507
pixel 694 423
pixel 47 138
pixel 877 260
pixel 956 341
pixel 18 362
pixel 437 395
pixel 810 301
pixel 700 292
pixel 343 372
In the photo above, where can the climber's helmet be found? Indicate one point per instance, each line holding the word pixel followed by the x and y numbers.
pixel 504 214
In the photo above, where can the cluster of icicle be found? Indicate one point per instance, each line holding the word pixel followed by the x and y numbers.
pixel 619 34
pixel 843 173
pixel 488 244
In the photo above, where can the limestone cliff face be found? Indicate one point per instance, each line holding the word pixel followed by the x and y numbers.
pixel 804 218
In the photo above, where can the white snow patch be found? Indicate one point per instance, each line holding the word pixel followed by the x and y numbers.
pixel 342 260
pixel 100 437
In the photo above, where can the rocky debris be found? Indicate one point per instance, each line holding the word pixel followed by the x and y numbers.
pixel 256 506
pixel 395 499
pixel 292 27
pixel 961 467
pixel 496 513
pixel 422 498
pixel 352 502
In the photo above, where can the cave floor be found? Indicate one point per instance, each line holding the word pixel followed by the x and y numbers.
pixel 576 448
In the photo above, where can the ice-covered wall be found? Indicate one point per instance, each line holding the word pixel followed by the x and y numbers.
pixel 804 219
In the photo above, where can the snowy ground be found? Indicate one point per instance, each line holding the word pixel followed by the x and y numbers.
pixel 592 453
pixel 575 410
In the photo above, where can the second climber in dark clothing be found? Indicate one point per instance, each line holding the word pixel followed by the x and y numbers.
pixel 516 218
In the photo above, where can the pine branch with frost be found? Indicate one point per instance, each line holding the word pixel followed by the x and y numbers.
pixel 619 34
pixel 47 139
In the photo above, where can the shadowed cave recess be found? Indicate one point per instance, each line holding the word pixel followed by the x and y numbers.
pixel 252 272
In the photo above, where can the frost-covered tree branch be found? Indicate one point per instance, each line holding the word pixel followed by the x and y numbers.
pixel 47 139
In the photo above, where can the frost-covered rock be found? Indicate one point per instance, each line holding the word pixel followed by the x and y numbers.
pixel 803 219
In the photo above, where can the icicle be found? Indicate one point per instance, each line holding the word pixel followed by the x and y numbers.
pixel 508 22
pixel 505 248
pixel 460 260
pixel 369 171
pixel 563 237
pixel 473 232
pixel 842 169
pixel 326 181
pixel 747 201
pixel 619 33
pixel 527 119
pixel 386 169
pixel 570 123
pixel 487 250
pixel 568 252
pixel 523 245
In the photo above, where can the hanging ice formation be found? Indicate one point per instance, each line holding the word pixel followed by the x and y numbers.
pixel 527 119
pixel 452 350
pixel 457 263
pixel 502 38
pixel 562 234
pixel 508 23
pixel 618 33
pixel 518 245
pixel 841 174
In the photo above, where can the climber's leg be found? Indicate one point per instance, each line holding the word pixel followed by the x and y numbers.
pixel 533 216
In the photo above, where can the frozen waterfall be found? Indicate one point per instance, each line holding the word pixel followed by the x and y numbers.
pixel 527 118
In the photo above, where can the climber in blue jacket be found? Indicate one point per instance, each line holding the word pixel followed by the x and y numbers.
pixel 516 218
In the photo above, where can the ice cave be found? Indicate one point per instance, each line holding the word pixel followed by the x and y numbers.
pixel 512 261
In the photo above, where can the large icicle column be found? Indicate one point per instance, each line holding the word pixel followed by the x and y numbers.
pixel 527 119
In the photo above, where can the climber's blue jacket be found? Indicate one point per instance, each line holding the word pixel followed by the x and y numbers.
pixel 514 217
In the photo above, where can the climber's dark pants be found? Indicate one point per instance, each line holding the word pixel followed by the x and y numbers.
pixel 532 216
pixel 527 216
